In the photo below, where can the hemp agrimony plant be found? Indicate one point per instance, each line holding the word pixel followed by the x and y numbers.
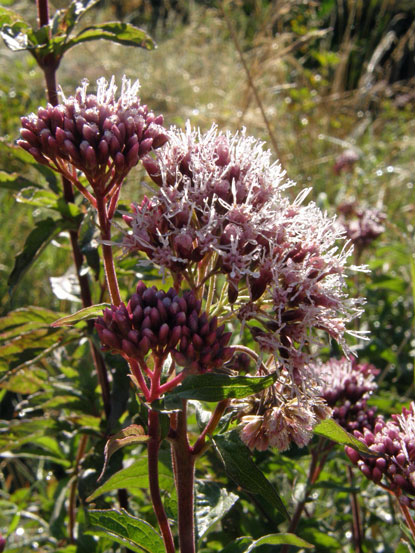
pixel 253 286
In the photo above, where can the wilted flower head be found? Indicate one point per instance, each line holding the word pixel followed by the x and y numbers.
pixel 393 463
pixel 277 417
pixel 165 323
pixel 346 386
pixel 99 134
pixel 221 203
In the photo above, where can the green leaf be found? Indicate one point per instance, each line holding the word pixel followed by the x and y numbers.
pixel 65 20
pixel 279 539
pixel 239 465
pixel 334 432
pixel 134 533
pixel 26 318
pixel 133 434
pixel 121 33
pixel 44 231
pixel 14 181
pixel 215 387
pixel 85 314
pixel 322 541
pixel 212 502
pixel 134 477
pixel 15 36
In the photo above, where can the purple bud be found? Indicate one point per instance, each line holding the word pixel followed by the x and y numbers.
pixel 145 147
pixel 144 345
pixel 103 151
pixel 119 161
pixel 29 136
pixel 130 349
pixel 376 475
pixel 175 336
pixel 163 334
pixel 108 338
pixel 352 454
pixel 132 156
pixel 179 358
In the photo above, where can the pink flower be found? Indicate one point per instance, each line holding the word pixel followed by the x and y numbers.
pixel 220 203
pixel 346 386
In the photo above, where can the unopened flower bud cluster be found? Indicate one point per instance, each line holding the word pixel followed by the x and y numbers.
pixel 393 463
pixel 100 135
pixel 165 323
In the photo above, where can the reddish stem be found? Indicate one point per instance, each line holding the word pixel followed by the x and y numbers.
pixel 105 226
pixel 200 443
pixel 135 369
pixel 153 449
pixel 184 467
pixel 408 519
pixel 171 383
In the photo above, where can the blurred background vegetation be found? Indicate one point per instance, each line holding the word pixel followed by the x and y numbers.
pixel 327 84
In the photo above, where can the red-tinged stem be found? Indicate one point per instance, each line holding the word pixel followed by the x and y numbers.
pixel 144 367
pixel 135 369
pixel 113 202
pixel 171 383
pixel 153 449
pixel 200 443
pixel 184 468
pixel 111 276
pixel 408 519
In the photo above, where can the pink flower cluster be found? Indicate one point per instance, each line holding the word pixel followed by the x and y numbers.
pixel 393 462
pixel 220 203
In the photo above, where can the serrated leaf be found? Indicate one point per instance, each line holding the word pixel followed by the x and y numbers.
pixel 121 33
pixel 239 465
pixel 44 231
pixel 25 381
pixel 27 346
pixel 85 314
pixel 212 502
pixel 216 387
pixel 134 477
pixel 279 539
pixel 334 432
pixel 132 532
pixel 133 434
pixel 26 318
